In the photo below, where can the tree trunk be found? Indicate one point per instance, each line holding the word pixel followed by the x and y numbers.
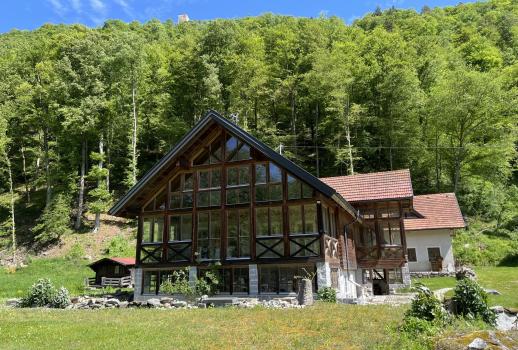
pixel 47 167
pixel 348 137
pixel 316 142
pixel 24 169
pixel 80 200
pixel 134 137
pixel 101 164
pixel 11 192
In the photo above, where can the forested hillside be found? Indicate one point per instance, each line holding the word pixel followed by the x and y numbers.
pixel 84 112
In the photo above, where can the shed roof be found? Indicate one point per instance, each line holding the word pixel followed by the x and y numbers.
pixel 383 185
pixel 121 261
pixel 439 210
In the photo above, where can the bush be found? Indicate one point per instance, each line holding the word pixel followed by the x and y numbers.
pixel 327 294
pixel 471 301
pixel 61 299
pixel 426 306
pixel 415 326
pixel 40 294
pixel 179 284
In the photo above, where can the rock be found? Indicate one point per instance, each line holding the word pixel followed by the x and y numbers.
pixel 75 300
pixel 123 304
pixel 305 292
pixel 492 292
pixel 505 322
pixel 498 309
pixel 511 310
pixel 202 305
pixel 465 272
pixel 154 303
pixel 167 300
pixel 113 302
pixel 477 344
pixel 179 303
pixel 13 302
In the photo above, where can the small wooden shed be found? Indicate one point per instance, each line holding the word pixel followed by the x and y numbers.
pixel 116 272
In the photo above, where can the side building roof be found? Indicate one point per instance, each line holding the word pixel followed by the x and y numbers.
pixel 385 185
pixel 439 211
pixel 207 121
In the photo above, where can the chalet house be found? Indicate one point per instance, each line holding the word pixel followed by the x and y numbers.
pixel 221 196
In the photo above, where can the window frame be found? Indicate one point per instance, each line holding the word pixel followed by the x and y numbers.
pixel 182 192
pixel 209 234
pixel 415 254
pixel 239 237
pixel 239 186
pixel 211 189
pixel 268 183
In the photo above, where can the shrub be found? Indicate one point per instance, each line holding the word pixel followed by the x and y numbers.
pixel 471 301
pixel 179 284
pixel 61 299
pixel 415 326
pixel 327 294
pixel 426 306
pixel 40 293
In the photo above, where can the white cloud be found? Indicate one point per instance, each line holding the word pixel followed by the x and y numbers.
pixel 76 5
pixel 58 7
pixel 125 7
pixel 98 6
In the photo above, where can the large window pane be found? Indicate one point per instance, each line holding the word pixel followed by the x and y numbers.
pixel 275 221
pixel 294 188
pixel 209 233
pixel 147 230
pixel 261 221
pixel 241 276
pixel 150 282
pixel 275 173
pixel 269 280
pixel 310 219
pixel 295 218
pixel 260 174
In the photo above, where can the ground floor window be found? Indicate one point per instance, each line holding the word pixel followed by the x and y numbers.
pixel 231 280
pixel 150 282
pixel 282 279
pixel 412 255
pixel 395 276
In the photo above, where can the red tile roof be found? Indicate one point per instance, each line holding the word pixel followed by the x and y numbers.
pixel 124 261
pixel 440 210
pixel 373 186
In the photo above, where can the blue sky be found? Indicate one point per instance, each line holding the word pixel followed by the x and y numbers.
pixel 31 14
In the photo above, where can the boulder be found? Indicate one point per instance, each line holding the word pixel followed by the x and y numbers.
pixel 13 302
pixel 123 304
pixel 465 272
pixel 179 303
pixel 167 300
pixel 492 292
pixel 305 292
pixel 112 301
pixel 154 303
pixel 477 344
pixel 75 300
pixel 498 309
pixel 511 310
pixel 505 322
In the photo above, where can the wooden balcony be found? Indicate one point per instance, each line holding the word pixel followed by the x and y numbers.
pixel 385 256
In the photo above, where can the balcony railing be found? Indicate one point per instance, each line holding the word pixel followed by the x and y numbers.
pixel 331 247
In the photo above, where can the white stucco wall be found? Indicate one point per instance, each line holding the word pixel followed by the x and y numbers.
pixel 423 239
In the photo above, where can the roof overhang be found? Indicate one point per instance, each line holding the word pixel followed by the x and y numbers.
pixel 120 208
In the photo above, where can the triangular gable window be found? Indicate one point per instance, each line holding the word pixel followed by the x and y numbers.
pixel 298 189
pixel 236 149
pixel 211 155
pixel 158 202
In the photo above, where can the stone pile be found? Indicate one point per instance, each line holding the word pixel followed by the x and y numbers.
pixel 110 302
pixel 465 272
pixel 277 303
pixel 431 274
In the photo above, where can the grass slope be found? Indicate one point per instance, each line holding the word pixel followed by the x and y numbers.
pixel 61 272
pixel 503 279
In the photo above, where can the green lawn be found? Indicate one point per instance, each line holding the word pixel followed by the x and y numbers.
pixel 61 272
pixel 503 279
pixel 324 326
